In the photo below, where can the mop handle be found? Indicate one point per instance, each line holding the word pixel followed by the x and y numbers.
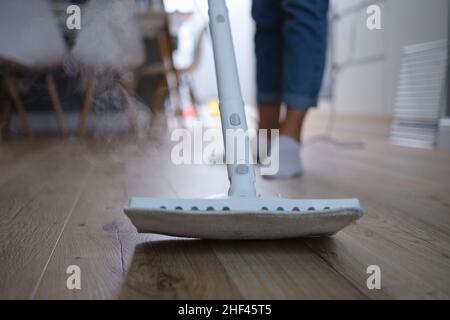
pixel 241 172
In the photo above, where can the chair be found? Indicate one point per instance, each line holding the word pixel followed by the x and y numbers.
pixel 108 43
pixel 29 40
pixel 172 77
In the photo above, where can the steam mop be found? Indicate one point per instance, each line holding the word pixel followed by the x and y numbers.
pixel 242 214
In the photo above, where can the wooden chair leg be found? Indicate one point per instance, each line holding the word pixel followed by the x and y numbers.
pixel 87 105
pixel 5 120
pixel 171 77
pixel 158 97
pixel 11 85
pixel 192 94
pixel 130 106
pixel 57 108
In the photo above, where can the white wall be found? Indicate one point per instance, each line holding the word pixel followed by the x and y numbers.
pixel 368 83
pixel 242 27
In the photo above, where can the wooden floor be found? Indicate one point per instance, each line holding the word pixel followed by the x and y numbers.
pixel 61 204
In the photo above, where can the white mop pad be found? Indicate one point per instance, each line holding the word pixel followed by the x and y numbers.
pixel 228 218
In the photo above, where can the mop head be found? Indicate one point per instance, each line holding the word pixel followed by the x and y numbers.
pixel 242 218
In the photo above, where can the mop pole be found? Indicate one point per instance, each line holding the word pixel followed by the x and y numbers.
pixel 240 168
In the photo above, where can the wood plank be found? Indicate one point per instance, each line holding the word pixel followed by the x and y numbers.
pixel 430 165
pixel 34 208
pixel 282 270
pixel 115 261
pixel 16 155
pixel 407 239
pixel 413 164
pixel 406 229
pixel 177 269
pixel 412 196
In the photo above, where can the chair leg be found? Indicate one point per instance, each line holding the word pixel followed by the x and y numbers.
pixel 57 108
pixel 128 92
pixel 5 119
pixel 194 98
pixel 171 77
pixel 87 105
pixel 158 97
pixel 11 85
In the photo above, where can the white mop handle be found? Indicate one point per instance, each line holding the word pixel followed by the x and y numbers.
pixel 232 114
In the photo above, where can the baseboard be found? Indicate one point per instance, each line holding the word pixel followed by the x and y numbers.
pixel 443 138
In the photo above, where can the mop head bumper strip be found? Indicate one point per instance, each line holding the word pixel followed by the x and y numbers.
pixel 242 218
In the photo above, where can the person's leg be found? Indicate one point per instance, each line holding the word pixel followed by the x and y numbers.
pixel 305 43
pixel 268 49
pixel 304 51
pixel 289 143
pixel 269 116
pixel 293 123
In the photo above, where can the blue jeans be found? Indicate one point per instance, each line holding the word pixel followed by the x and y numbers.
pixel 290 47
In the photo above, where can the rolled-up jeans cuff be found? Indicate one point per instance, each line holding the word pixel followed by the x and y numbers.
pixel 298 101
pixel 269 97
